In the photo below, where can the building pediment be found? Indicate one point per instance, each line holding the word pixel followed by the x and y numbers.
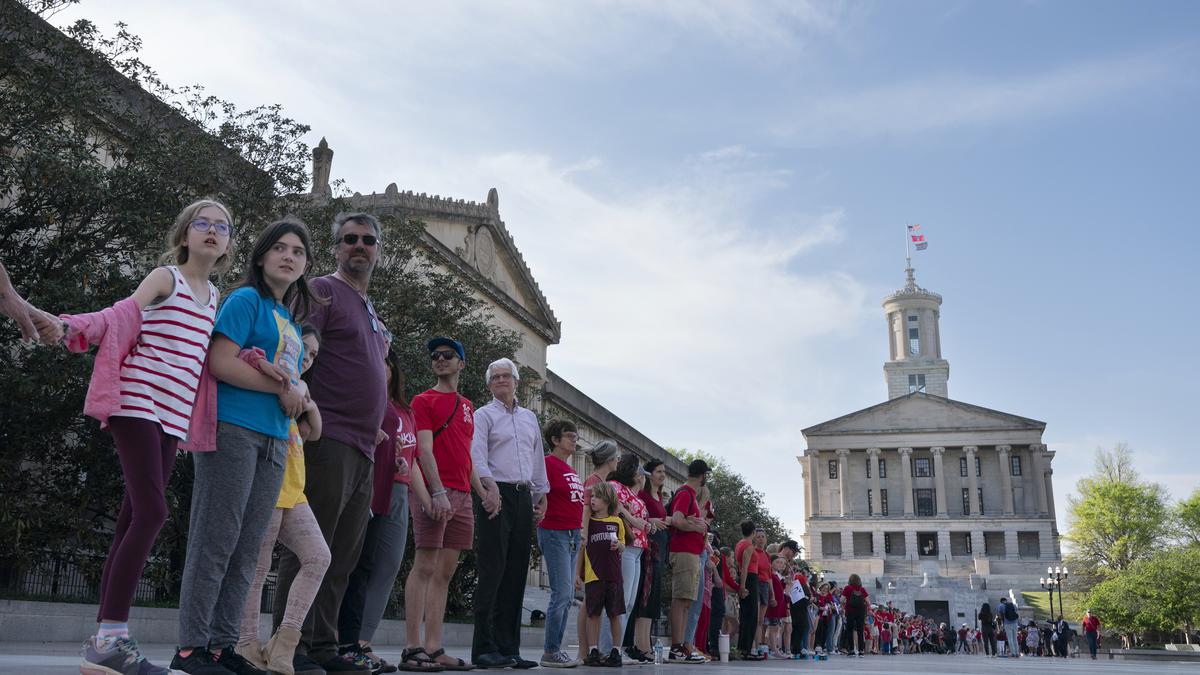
pixel 920 412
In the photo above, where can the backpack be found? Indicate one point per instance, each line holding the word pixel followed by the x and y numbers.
pixel 855 602
pixel 1010 612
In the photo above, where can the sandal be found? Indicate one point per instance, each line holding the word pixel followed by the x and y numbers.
pixel 459 665
pixel 416 660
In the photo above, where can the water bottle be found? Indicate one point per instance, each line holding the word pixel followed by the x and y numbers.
pixel 658 651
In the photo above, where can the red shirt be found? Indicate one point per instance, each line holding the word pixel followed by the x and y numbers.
pixel 739 551
pixel 728 576
pixel 1091 624
pixel 564 504
pixel 854 590
pixel 406 442
pixel 654 506
pixel 452 447
pixel 685 541
pixel 764 564
pixel 780 609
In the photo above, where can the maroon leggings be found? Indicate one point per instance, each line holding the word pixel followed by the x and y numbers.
pixel 147 457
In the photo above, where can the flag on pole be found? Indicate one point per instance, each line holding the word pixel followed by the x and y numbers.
pixel 918 240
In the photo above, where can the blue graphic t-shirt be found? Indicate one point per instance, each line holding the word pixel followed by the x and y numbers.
pixel 250 320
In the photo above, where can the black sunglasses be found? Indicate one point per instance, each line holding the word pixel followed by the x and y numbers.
pixel 442 354
pixel 352 239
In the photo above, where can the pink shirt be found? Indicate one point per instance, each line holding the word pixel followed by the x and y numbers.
pixel 636 508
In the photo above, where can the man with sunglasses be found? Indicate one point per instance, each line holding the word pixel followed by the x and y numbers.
pixel 348 382
pixel 445 426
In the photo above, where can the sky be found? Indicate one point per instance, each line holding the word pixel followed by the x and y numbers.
pixel 713 195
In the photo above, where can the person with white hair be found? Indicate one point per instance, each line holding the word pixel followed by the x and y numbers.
pixel 509 460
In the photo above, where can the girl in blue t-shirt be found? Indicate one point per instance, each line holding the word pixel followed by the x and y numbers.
pixel 236 487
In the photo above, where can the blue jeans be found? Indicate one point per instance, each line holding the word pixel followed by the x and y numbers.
pixel 559 548
pixel 693 615
pixel 631 571
pixel 1010 631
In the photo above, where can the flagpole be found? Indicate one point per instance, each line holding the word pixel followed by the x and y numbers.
pixel 907 245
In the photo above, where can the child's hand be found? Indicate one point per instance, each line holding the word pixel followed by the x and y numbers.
pixel 579 583
pixel 305 429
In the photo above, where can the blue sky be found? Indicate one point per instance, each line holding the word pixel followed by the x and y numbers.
pixel 712 195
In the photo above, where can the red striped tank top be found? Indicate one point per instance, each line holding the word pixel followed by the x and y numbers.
pixel 160 376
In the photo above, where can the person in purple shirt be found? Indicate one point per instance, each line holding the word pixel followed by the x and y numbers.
pixel 348 382
pixel 507 454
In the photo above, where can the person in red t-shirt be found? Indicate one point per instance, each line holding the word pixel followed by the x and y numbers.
pixel 854 599
pixel 1091 631
pixel 558 535
pixel 445 426
pixel 688 528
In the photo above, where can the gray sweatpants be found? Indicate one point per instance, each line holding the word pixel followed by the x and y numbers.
pixel 233 497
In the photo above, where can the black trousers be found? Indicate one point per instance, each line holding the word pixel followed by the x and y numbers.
pixel 502 565
pixel 748 616
pixel 716 617
pixel 799 625
pixel 989 640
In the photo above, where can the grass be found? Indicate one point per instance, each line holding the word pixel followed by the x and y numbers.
pixel 1073 604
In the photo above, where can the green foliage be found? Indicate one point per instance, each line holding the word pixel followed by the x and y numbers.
pixel 1187 515
pixel 734 500
pixel 1115 519
pixel 1155 594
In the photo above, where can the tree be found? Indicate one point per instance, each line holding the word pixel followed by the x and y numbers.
pixel 1187 514
pixel 1155 594
pixel 100 155
pixel 1116 519
pixel 735 500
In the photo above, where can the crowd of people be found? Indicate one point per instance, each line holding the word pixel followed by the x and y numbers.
pixel 293 408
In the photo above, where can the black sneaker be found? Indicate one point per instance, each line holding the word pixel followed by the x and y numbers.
pixel 303 665
pixel 236 663
pixel 344 663
pixel 638 655
pixel 613 660
pixel 594 658
pixel 199 662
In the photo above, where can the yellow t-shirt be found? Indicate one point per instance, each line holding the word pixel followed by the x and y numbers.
pixel 292 491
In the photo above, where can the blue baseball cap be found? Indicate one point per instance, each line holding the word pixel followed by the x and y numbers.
pixel 447 342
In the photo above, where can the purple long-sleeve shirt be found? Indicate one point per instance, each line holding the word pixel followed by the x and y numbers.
pixel 507 447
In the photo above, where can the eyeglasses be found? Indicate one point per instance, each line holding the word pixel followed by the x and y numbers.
pixel 442 355
pixel 352 239
pixel 376 325
pixel 202 225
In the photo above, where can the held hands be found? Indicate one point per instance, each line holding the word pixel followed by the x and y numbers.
pixel 491 499
pixel 291 400
pixel 742 592
pixel 440 508
pixel 539 510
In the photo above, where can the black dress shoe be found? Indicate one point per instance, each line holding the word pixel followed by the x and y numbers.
pixel 493 660
pixel 521 663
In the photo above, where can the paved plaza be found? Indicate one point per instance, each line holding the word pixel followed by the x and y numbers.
pixel 62 658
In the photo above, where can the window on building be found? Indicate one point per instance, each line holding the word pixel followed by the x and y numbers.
pixel 887 543
pixel 916 382
pixel 978 467
pixel 1015 461
pixel 962 466
pixel 883 511
pixel 981 511
pixel 922 467
pixel 882 468
pixel 927 544
pixel 831 544
pixel 925 501
pixel 870 503
pixel 833 469
pixel 914 341
pixel 868 467
pixel 1028 545
pixel 966 497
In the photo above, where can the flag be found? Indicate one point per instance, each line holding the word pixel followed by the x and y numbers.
pixel 918 240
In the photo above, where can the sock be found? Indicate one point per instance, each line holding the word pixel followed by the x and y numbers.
pixel 111 629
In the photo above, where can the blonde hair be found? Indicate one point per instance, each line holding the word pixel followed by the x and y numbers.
pixel 177 253
pixel 604 490
pixel 703 495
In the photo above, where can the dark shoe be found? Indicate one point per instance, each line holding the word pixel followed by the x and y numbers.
pixel 236 663
pixel 303 665
pixel 344 663
pixel 593 658
pixel 520 663
pixel 365 656
pixel 199 662
pixel 493 660
pixel 638 655
pixel 613 660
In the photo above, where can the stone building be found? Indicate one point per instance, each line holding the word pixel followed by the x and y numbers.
pixel 930 499
pixel 469 240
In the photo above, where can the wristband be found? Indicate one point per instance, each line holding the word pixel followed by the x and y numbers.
pixel 437 493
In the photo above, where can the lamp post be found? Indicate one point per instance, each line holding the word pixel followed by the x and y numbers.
pixel 1048 586
pixel 1059 576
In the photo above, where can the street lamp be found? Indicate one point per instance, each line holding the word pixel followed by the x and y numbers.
pixel 1048 586
pixel 1059 576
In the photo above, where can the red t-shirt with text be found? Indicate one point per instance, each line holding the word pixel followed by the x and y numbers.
pixel 564 504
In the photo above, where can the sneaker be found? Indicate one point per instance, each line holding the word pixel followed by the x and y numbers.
pixel 116 655
pixel 638 655
pixel 614 660
pixel 344 663
pixel 303 665
pixel 365 656
pixel 594 658
pixel 199 662
pixel 694 656
pixel 677 654
pixel 559 660
pixel 236 663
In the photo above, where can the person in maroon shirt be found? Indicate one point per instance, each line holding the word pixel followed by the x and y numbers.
pixel 558 536
pixel 649 607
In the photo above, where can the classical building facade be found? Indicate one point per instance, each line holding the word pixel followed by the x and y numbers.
pixel 925 487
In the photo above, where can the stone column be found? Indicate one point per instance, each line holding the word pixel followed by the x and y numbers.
pixel 877 543
pixel 1006 495
pixel 943 539
pixel 906 474
pixel 847 544
pixel 1011 549
pixel 910 545
pixel 815 551
pixel 873 462
pixel 844 480
pixel 810 495
pixel 972 481
pixel 939 480
pixel 1038 460
pixel 978 545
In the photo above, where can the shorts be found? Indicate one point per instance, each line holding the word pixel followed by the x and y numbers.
pixel 786 619
pixel 685 575
pixel 732 605
pixel 765 593
pixel 455 533
pixel 770 621
pixel 604 597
